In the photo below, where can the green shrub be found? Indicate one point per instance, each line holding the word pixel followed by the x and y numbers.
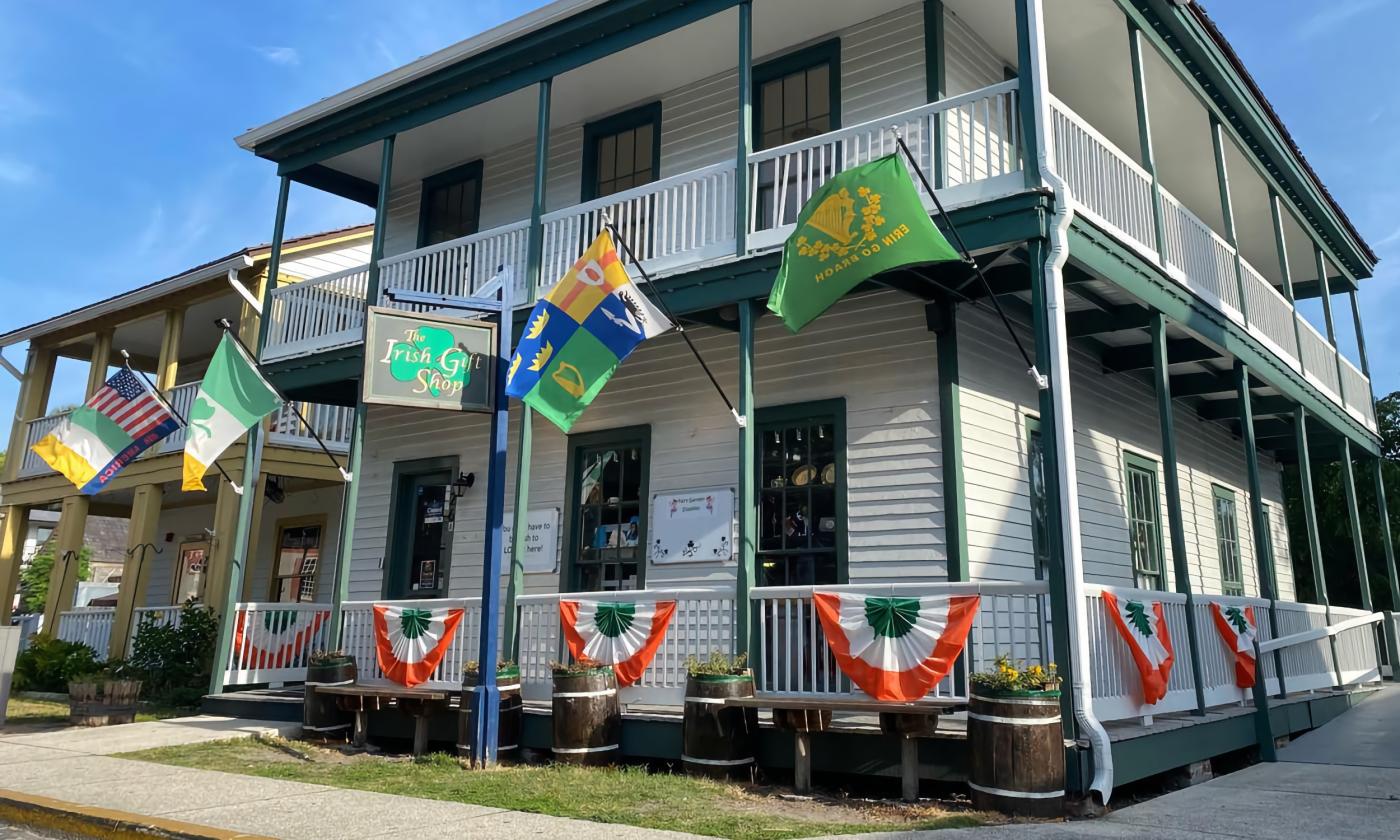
pixel 34 578
pixel 718 665
pixel 48 664
pixel 173 662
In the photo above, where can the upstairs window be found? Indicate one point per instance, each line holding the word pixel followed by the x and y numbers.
pixel 451 205
pixel 795 96
pixel 1144 522
pixel 1227 541
pixel 298 555
pixel 622 151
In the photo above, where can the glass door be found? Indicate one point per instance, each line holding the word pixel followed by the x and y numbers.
pixel 421 550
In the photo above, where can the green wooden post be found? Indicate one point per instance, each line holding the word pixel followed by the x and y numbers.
pixel 745 640
pixel 1149 160
pixel 1172 481
pixel 1026 98
pixel 1281 243
pixel 1325 287
pixel 350 499
pixel 936 83
pixel 1300 430
pixel 1354 516
pixel 252 460
pixel 1227 210
pixel 1391 642
pixel 945 327
pixel 744 142
pixel 1259 521
pixel 510 631
pixel 1360 336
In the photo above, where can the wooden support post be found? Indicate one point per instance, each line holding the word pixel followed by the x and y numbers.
pixel 950 436
pixel 1026 98
pixel 420 733
pixel 99 361
pixel 909 768
pixel 360 736
pixel 168 367
pixel 1265 563
pixel 1354 517
pixel 1149 160
pixel 68 546
pixel 1300 431
pixel 802 762
pixel 12 532
pixel 1388 546
pixel 1326 295
pixel 1360 337
pixel 141 540
pixel 936 84
pixel 1281 243
pixel 746 640
pixel 744 140
pixel 29 405
pixel 1171 480
pixel 221 586
pixel 1227 211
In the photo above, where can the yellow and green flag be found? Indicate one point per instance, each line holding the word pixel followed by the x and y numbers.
pixel 862 222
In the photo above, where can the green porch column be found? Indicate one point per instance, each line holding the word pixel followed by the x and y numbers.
pixel 1227 209
pixel 944 321
pixel 744 140
pixel 1354 517
pixel 350 498
pixel 1305 481
pixel 1026 98
pixel 1171 479
pixel 1149 160
pixel 1391 642
pixel 745 640
pixel 510 634
pixel 1360 337
pixel 936 82
pixel 1264 558
pixel 1325 287
pixel 1281 243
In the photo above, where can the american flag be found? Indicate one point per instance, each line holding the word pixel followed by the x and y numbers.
pixel 130 404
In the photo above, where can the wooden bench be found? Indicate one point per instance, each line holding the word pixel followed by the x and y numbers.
pixel 803 716
pixel 420 703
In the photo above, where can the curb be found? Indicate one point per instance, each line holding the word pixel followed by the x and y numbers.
pixel 88 821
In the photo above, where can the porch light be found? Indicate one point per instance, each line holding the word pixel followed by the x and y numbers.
pixel 461 483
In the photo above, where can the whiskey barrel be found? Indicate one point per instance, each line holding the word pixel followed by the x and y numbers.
pixel 320 713
pixel 587 718
pixel 102 702
pixel 718 739
pixel 508 723
pixel 1017 754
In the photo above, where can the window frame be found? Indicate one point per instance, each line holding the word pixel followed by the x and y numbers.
pixel 282 525
pixel 1038 552
pixel 835 408
pixel 826 52
pixel 1220 493
pixel 599 129
pixel 448 177
pixel 624 436
pixel 1133 461
pixel 395 536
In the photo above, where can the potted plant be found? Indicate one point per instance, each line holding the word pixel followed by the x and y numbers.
pixel 718 738
pixel 320 713
pixel 1016 741
pixel 509 720
pixel 586 715
pixel 103 697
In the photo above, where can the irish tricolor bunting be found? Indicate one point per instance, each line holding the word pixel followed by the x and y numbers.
pixel 1238 631
pixel 409 643
pixel 895 648
pixel 625 635
pixel 1143 626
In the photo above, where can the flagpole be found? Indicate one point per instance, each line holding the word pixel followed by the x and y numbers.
pixel 169 406
pixel 224 325
pixel 1039 378
pixel 680 328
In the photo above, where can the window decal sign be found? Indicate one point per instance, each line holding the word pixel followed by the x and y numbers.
pixel 416 360
pixel 692 526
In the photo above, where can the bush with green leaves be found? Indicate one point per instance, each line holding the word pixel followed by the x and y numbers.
pixel 48 664
pixel 173 661
pixel 34 577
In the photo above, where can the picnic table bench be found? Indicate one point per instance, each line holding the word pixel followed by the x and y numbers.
pixel 803 716
pixel 420 703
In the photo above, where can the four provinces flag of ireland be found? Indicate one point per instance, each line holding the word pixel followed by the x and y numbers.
pixel 232 397
pixel 579 333
pixel 119 422
pixel 862 222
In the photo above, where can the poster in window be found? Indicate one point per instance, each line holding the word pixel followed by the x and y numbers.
pixel 692 526
pixel 541 541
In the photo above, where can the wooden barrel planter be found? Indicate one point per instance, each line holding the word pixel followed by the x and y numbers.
pixel 587 717
pixel 1017 753
pixel 320 713
pixel 718 739
pixel 509 722
pixel 103 702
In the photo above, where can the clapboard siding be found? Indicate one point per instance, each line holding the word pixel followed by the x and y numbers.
pixel 882 72
pixel 320 262
pixel 968 62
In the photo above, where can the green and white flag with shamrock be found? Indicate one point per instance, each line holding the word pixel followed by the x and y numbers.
pixel 232 398
pixel 409 642
pixel 623 634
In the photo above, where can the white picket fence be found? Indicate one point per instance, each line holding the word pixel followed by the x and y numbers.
pixel 91 626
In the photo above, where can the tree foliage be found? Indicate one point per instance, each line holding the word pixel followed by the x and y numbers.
pixel 34 578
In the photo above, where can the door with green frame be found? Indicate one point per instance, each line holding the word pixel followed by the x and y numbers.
pixel 419 553
pixel 607 504
pixel 802 494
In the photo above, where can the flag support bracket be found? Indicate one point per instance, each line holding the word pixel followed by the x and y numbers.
pixel 174 412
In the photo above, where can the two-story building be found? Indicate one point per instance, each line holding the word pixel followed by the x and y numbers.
pixel 1142 216
pixel 178 543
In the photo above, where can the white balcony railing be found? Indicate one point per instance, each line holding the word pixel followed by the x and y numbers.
pixel 314 315
pixel 1319 359
pixel 331 422
pixel 37 429
pixel 458 267
pixel 181 398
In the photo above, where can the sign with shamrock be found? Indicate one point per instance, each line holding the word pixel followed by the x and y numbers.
pixel 428 361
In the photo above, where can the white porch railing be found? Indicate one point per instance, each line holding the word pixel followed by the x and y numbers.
pixel 1108 186
pixel 156 616
pixel 703 623
pixel 1217 661
pixel 1319 360
pixel 91 626
pixel 357 639
pixel 331 422
pixel 795 659
pixel 300 629
pixel 1270 315
pixel 181 398
pixel 32 463
pixel 1356 388
pixel 314 315
pixel 981 158
pixel 457 267
pixel 1117 691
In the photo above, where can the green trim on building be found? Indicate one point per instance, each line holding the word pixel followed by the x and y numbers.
pixel 747 496
pixel 943 317
pixel 1358 543
pixel 833 409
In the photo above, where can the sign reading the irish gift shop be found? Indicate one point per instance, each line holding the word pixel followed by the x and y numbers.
pixel 428 361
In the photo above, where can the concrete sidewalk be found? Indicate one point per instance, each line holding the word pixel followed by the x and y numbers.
pixel 73 765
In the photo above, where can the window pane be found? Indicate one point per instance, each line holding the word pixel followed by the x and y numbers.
pixel 795 99
pixel 642 155
pixel 818 92
pixel 771 113
pixel 625 156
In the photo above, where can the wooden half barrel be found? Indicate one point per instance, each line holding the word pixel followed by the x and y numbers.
pixel 587 718
pixel 508 723
pixel 103 702
pixel 718 739
pixel 321 714
pixel 1017 754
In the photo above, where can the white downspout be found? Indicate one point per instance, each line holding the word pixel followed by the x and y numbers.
pixel 1063 420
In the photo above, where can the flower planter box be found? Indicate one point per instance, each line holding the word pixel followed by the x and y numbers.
pixel 1017 752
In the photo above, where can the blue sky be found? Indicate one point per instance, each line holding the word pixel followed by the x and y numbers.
pixel 118 167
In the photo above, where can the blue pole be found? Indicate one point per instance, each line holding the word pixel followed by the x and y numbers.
pixel 487 699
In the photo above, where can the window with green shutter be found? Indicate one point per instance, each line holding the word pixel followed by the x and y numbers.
pixel 1227 540
pixel 1144 520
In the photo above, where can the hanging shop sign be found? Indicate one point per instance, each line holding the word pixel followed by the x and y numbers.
pixel 541 540
pixel 692 526
pixel 428 361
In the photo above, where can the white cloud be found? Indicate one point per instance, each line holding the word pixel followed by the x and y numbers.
pixel 17 172
pixel 1331 16
pixel 284 56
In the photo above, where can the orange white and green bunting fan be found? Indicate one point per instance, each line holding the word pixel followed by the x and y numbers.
pixel 895 648
pixel 1238 631
pixel 274 638
pixel 1143 626
pixel 409 643
pixel 625 635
